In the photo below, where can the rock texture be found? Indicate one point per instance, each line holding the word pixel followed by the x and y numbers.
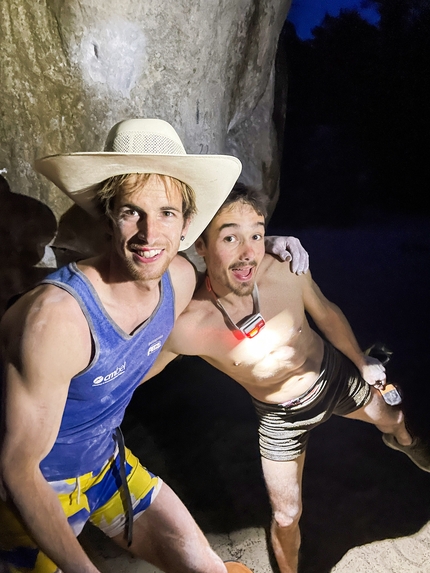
pixel 70 70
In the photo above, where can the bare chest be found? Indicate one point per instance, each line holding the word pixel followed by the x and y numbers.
pixel 272 354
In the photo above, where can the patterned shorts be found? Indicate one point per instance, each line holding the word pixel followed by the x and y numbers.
pixel 284 428
pixel 94 497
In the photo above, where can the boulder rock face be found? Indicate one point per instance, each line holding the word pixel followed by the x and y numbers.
pixel 71 69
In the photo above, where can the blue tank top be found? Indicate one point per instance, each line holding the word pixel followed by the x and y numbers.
pixel 98 396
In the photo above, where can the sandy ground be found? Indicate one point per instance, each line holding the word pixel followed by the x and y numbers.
pixel 366 507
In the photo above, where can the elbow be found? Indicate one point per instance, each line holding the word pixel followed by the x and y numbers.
pixel 324 324
pixel 328 320
pixel 5 478
pixel 9 484
pixel 10 468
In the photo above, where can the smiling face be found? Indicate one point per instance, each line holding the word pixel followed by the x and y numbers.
pixel 147 227
pixel 233 248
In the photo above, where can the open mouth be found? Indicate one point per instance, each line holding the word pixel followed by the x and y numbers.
pixel 243 273
pixel 146 255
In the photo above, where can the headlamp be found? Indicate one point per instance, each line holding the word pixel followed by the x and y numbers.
pixel 249 326
pixel 252 325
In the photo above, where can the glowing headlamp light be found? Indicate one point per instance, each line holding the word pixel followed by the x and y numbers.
pixel 252 326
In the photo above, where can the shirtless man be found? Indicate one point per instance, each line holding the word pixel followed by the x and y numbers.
pixel 296 379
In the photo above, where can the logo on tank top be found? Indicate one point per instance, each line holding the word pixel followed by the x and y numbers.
pixel 154 345
pixel 100 380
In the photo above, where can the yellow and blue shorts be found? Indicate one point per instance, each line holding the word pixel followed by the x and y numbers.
pixel 94 497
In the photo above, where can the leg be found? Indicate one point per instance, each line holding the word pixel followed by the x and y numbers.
pixel 164 532
pixel 18 552
pixel 284 485
pixel 388 419
pixel 167 536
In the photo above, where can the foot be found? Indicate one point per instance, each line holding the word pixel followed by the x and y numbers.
pixel 418 452
pixel 236 567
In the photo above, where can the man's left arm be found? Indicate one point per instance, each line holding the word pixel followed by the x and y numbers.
pixel 288 249
pixel 334 325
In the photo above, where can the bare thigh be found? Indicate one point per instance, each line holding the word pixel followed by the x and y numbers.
pixel 167 536
pixel 379 413
pixel 284 486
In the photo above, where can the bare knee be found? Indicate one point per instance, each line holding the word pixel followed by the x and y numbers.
pixel 288 517
pixel 394 420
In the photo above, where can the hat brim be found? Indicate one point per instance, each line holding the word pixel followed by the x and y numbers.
pixel 210 176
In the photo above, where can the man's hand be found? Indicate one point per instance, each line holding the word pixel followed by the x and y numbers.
pixel 289 249
pixel 373 372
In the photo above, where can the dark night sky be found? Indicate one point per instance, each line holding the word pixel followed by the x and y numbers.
pixel 306 14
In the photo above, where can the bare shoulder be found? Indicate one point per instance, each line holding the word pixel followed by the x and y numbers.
pixel 280 286
pixel 45 341
pixel 41 302
pixel 184 280
pixel 46 322
pixel 273 270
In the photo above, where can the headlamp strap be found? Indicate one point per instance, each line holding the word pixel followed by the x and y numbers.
pixel 243 325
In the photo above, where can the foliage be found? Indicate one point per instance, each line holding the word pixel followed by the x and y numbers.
pixel 371 83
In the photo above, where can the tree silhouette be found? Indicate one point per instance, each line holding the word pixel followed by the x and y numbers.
pixel 369 86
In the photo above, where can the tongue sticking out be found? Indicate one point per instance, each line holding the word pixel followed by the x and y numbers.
pixel 242 274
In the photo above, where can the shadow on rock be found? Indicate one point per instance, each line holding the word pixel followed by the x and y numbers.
pixel 26 227
pixel 32 245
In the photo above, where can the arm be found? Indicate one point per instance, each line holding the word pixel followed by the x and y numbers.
pixel 288 249
pixel 333 324
pixel 163 359
pixel 41 353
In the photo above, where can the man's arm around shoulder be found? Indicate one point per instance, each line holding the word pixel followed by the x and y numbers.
pixel 184 279
pixel 45 341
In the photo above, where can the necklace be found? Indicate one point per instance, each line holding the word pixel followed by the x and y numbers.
pixel 249 326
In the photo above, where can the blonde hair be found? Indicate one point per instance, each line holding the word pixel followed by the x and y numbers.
pixel 109 188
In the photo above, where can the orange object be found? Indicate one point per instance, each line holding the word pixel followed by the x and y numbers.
pixel 236 567
pixel 391 395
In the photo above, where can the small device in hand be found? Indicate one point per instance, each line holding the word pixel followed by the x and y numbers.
pixel 390 393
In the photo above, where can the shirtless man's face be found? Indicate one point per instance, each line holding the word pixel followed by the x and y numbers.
pixel 233 249
pixel 147 227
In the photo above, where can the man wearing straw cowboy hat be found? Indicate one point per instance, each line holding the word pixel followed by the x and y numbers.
pixel 75 348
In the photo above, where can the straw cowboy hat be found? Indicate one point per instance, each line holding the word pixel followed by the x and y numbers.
pixel 145 146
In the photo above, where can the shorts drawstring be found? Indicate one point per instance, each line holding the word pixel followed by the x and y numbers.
pixel 78 490
pixel 129 504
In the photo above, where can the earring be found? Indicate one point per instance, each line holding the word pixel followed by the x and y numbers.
pixel 182 237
